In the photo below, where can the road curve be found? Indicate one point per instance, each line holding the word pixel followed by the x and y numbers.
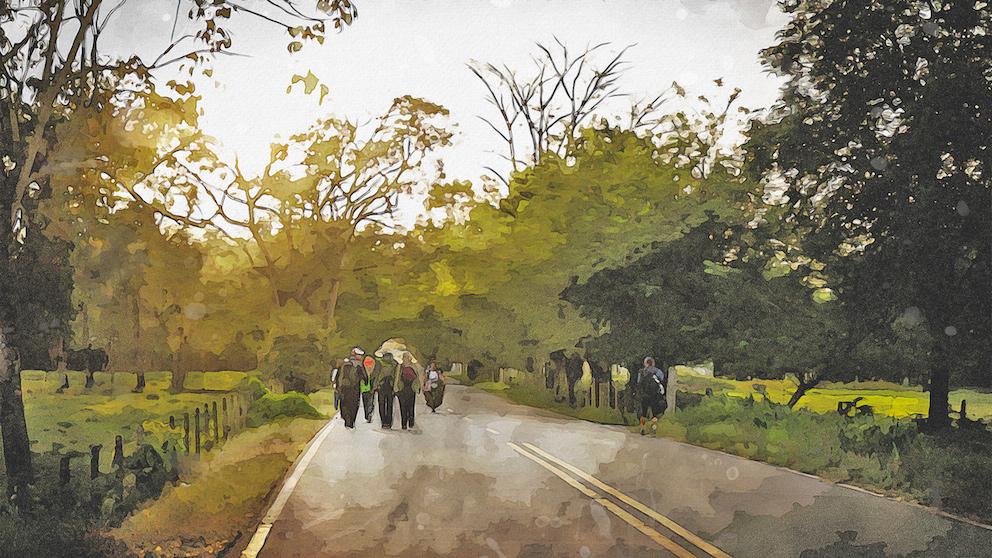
pixel 486 478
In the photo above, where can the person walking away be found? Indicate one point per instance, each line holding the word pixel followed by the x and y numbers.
pixel 350 377
pixel 368 402
pixel 434 386
pixel 406 387
pixel 651 389
pixel 383 386
pixel 334 385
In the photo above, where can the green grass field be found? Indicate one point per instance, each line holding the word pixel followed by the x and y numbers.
pixel 78 417
pixel 885 398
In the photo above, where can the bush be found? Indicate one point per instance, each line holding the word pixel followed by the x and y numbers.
pixel 298 363
pixel 274 406
pixel 254 387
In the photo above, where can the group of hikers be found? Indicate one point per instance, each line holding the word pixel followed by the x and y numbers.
pixel 361 381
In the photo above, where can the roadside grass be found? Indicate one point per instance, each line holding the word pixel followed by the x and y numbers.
pixel 885 398
pixel 879 453
pixel 544 399
pixel 229 491
pixel 78 417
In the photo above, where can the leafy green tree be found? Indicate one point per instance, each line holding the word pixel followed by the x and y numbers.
pixel 880 144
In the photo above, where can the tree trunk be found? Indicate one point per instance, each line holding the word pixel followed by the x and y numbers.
pixel 797 395
pixel 179 369
pixel 332 303
pixel 178 379
pixel 804 386
pixel 140 383
pixel 13 425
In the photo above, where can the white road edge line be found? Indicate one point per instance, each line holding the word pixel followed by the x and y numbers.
pixel 491 431
pixel 262 532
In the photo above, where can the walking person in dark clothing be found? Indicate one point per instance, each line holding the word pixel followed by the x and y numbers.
pixel 350 377
pixel 406 386
pixel 383 386
pixel 651 382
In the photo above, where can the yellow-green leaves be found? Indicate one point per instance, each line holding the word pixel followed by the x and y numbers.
pixel 310 84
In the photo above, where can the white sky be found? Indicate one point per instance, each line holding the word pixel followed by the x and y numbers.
pixel 416 47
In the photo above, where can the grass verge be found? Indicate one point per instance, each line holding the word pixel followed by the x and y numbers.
pixel 228 493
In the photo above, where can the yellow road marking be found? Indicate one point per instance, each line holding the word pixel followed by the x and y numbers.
pixel 668 523
pixel 657 537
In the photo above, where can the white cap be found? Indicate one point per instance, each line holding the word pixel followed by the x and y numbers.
pixel 357 351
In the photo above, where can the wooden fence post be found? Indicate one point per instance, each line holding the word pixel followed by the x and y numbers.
pixel 216 421
pixel 613 395
pixel 172 422
pixel 227 418
pixel 64 469
pixel 174 463
pixel 196 428
pixel 95 460
pixel 671 388
pixel 118 461
pixel 186 431
pixel 206 424
pixel 595 385
pixel 589 398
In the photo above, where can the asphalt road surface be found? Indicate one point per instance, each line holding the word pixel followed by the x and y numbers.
pixel 486 478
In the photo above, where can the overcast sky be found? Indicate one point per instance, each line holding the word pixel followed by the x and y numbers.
pixel 420 47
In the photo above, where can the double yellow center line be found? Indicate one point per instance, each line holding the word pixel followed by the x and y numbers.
pixel 558 468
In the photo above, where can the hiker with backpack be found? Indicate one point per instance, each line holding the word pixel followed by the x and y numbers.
pixel 365 388
pixel 651 382
pixel 383 385
pixel 350 377
pixel 434 386
pixel 407 386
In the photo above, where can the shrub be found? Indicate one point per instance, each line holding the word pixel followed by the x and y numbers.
pixel 298 363
pixel 274 406
pixel 254 387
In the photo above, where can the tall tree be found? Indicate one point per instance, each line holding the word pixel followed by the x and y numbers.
pixel 51 66
pixel 881 146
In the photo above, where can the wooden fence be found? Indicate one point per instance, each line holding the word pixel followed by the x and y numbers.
pixel 188 434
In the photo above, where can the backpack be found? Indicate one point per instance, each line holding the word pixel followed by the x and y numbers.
pixel 348 375
pixel 649 385
pixel 408 375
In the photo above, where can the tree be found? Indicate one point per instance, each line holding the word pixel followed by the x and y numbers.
pixel 48 72
pixel 681 301
pixel 545 113
pixel 320 190
pixel 880 144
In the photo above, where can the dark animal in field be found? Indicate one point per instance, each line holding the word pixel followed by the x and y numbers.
pixel 89 360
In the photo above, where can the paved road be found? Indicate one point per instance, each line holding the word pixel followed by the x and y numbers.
pixel 487 478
